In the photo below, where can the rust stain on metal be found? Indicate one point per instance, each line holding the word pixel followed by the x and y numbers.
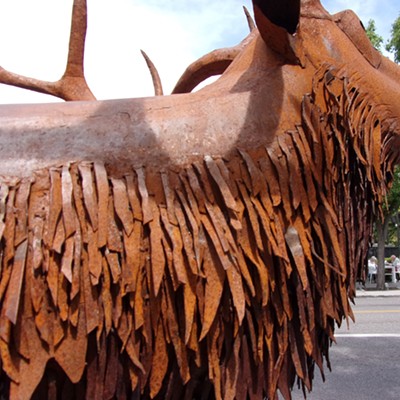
pixel 218 270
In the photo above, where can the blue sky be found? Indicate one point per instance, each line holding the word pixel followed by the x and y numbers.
pixel 34 39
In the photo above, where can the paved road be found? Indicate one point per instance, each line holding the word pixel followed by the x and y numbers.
pixel 366 359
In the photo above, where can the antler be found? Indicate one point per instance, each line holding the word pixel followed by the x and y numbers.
pixel 213 63
pixel 158 90
pixel 250 21
pixel 72 85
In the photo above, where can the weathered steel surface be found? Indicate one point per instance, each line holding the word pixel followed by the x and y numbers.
pixel 197 245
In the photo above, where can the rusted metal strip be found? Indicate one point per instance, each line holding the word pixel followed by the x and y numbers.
pixel 31 369
pixel 134 197
pixel 9 230
pixel 232 371
pixel 221 184
pixel 178 344
pixel 144 195
pixel 94 257
pixel 227 175
pixel 223 257
pixel 215 278
pixel 175 238
pixel 68 212
pixel 193 216
pixel 158 261
pixel 89 194
pixel 189 295
pixel 78 201
pixel 59 237
pixel 252 216
pixel 299 195
pixel 114 236
pixel 138 300
pixel 53 275
pixel 121 204
pixel 90 296
pixel 254 173
pixel 196 188
pixel 188 242
pixel 159 362
pixel 250 251
pixel 55 207
pixel 106 298
pixel 68 258
pixel 204 190
pixel 131 261
pixel 306 165
pixel 294 244
pixel 62 300
pixel 271 179
pixel 113 263
pixel 3 199
pixel 316 168
pixel 280 164
pixel 14 291
pixel 236 286
pixel 219 225
pixel 76 271
pixel 71 353
pixel 169 198
pixel 102 187
pixel 38 203
pixel 7 363
pixel 213 359
pixel 21 212
pixel 266 224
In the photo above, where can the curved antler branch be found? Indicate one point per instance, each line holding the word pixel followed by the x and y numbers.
pixel 250 20
pixel 158 89
pixel 211 64
pixel 214 63
pixel 72 85
pixel 24 82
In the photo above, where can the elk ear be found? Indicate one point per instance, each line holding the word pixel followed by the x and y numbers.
pixel 277 22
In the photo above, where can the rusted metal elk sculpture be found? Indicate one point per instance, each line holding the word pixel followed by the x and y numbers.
pixel 200 245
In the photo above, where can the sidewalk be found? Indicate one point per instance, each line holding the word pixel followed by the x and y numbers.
pixel 369 290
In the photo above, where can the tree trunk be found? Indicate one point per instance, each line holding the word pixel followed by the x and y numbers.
pixel 381 227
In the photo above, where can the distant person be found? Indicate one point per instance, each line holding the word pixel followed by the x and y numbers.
pixel 373 260
pixel 396 264
pixel 372 269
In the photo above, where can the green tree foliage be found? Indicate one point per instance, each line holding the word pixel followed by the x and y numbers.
pixel 390 209
pixel 393 44
pixel 393 198
pixel 392 205
pixel 373 36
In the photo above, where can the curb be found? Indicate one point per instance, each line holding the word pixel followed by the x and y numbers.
pixel 378 293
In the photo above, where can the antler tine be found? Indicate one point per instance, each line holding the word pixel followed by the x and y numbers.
pixel 213 63
pixel 24 82
pixel 158 89
pixel 72 85
pixel 249 18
